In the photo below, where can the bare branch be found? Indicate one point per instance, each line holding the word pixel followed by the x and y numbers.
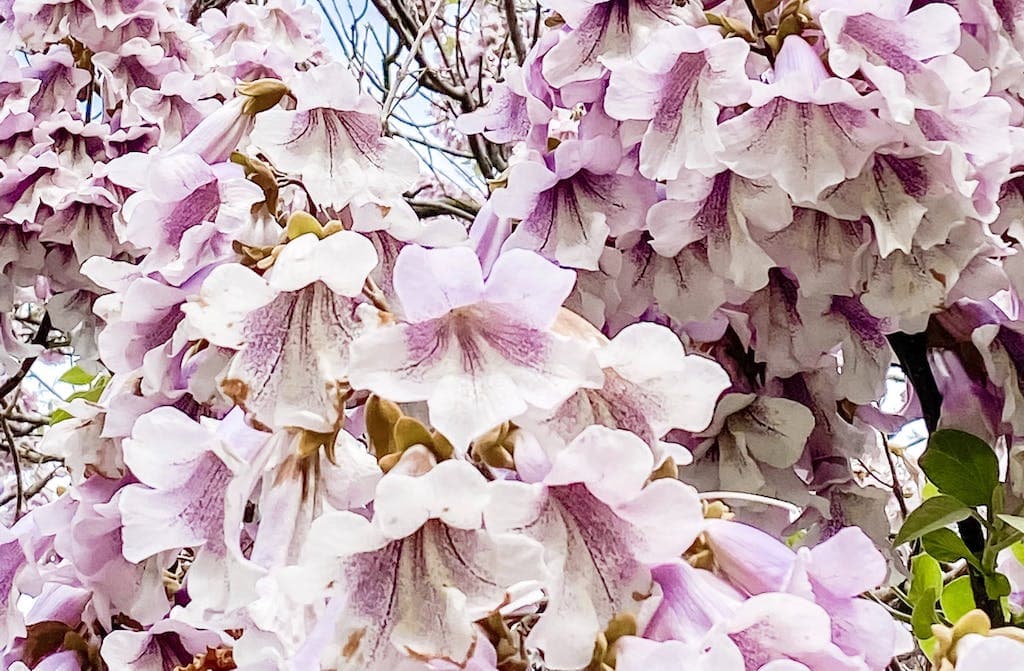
pixel 897 488
pixel 414 50
pixel 435 147
pixel 12 449
pixel 42 333
pixel 515 34
pixel 33 490
pixel 435 208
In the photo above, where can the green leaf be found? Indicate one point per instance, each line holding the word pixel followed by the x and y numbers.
pixel 929 490
pixel 59 415
pixel 1018 551
pixel 962 466
pixel 925 577
pixel 923 616
pixel 997 586
pixel 1014 521
pixel 91 394
pixel 76 376
pixel 998 500
pixel 957 598
pixel 935 513
pixel 929 646
pixel 946 546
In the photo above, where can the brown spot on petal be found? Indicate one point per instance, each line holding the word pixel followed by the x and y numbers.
pixel 352 644
pixel 236 390
pixel 214 659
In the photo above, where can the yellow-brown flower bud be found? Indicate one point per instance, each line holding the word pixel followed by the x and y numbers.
pixel 262 93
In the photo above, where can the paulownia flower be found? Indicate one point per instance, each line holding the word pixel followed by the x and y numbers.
pixel 512 113
pixel 411 582
pixel 86 530
pixel 12 562
pixel 807 130
pixel 292 328
pixel 479 352
pixel 890 45
pixel 168 643
pixel 651 386
pixel 186 213
pixel 768 607
pixel 602 523
pixel 333 141
pixel 833 252
pixel 721 211
pixel 909 198
pixel 567 205
pixel 680 81
pixel 184 469
pixel 754 434
pixel 602 32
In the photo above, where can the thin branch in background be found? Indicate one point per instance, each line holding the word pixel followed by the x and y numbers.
pixel 42 333
pixel 330 22
pixel 16 460
pixel 897 489
pixel 414 49
pixel 37 487
pixel 536 25
pixel 515 34
pixel 45 385
pixel 874 476
pixel 435 208
pixel 436 147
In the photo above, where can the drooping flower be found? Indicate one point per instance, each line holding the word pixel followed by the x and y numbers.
pixel 680 81
pixel 806 130
pixel 725 212
pixel 292 328
pixel 411 581
pixel 479 352
pixel 333 141
pixel 567 205
pixel 891 46
pixel 602 523
pixel 651 386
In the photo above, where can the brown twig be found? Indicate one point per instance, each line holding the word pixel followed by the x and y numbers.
pixel 16 460
pixel 897 489
pixel 42 333
pixel 515 34
pixel 435 208
pixel 33 490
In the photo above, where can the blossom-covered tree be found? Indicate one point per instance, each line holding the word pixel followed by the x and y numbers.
pixel 583 335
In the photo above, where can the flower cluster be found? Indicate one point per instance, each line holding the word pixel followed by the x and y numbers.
pixel 339 436
pixel 788 190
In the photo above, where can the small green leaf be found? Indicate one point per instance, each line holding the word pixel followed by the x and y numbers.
pixel 1014 521
pixel 997 586
pixel 77 376
pixel 946 546
pixel 59 415
pixel 923 616
pixel 929 490
pixel 929 647
pixel 935 513
pixel 957 598
pixel 796 538
pixel 1018 551
pixel 998 500
pixel 962 466
pixel 925 577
